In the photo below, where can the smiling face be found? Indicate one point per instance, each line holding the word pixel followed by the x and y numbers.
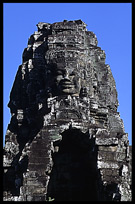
pixel 67 81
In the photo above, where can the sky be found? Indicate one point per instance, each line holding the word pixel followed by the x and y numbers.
pixel 112 24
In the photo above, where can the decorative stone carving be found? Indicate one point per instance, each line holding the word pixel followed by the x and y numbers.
pixel 65 140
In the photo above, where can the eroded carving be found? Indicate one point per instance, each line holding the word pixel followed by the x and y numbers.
pixel 64 122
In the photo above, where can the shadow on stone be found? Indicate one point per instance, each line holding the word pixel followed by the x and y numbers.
pixel 13 178
pixel 74 174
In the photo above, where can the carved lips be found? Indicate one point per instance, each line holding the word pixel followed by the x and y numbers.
pixel 66 84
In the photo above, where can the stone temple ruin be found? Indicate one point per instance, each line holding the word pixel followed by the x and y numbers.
pixel 65 140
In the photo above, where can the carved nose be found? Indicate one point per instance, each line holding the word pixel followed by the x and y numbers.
pixel 66 75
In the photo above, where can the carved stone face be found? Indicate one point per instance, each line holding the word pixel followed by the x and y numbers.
pixel 67 81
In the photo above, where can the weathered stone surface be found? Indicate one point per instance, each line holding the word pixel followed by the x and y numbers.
pixel 65 140
pixel 106 141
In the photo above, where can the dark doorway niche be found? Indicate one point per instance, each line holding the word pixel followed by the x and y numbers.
pixel 73 176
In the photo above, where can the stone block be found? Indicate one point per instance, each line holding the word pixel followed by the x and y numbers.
pixel 109 172
pixel 111 179
pixel 106 141
pixel 107 148
pixel 106 156
pixel 38 191
pixel 107 164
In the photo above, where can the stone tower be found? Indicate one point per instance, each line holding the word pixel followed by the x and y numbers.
pixel 65 140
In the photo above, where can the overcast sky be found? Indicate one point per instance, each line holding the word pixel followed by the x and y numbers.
pixel 111 22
